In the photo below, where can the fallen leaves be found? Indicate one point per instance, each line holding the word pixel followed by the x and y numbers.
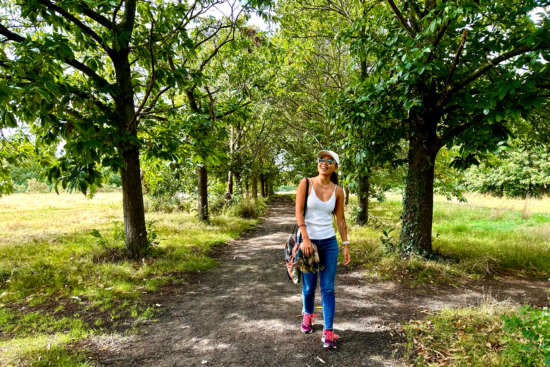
pixel 443 339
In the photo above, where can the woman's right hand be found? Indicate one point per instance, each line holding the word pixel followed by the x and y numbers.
pixel 307 248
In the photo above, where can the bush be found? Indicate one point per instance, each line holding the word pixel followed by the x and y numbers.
pixel 174 204
pixel 19 188
pixel 244 208
pixel 109 188
pixel 35 186
pixel 534 325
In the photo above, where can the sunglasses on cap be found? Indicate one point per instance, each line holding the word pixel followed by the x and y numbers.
pixel 328 161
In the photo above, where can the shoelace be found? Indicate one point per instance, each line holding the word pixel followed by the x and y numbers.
pixel 308 317
pixel 329 335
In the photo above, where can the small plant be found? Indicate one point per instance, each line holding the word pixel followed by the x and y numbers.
pixel 113 249
pixel 388 242
pixel 534 325
pixel 153 239
pixel 355 213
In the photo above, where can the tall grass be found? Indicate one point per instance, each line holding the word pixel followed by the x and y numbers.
pixel 52 274
pixel 483 237
pixel 469 336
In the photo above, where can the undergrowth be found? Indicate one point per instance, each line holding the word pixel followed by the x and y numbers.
pixel 471 336
pixel 469 241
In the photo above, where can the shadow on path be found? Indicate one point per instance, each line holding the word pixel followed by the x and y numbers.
pixel 246 313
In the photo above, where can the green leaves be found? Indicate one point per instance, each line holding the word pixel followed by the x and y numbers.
pixel 534 326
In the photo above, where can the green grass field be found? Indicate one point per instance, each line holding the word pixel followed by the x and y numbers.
pixel 57 287
pixel 486 236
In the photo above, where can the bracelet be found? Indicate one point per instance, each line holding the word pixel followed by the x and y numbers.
pixel 302 225
pixel 345 242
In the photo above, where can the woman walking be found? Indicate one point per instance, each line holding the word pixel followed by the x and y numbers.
pixel 325 198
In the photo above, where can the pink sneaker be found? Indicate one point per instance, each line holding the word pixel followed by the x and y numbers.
pixel 329 339
pixel 308 322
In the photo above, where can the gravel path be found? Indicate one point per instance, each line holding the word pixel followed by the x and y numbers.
pixel 246 313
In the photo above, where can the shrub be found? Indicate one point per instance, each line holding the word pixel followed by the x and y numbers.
pixel 35 186
pixel 19 188
pixel 109 188
pixel 534 325
pixel 174 204
pixel 244 207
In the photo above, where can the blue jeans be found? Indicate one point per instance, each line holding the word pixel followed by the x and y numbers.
pixel 328 257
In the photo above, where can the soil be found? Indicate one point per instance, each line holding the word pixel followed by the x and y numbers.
pixel 246 313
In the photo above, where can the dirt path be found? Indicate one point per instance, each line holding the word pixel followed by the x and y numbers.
pixel 245 312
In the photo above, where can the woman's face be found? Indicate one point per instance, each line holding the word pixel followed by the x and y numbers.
pixel 324 168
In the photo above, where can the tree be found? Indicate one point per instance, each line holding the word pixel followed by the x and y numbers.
pixel 97 76
pixel 235 68
pixel 446 73
pixel 517 172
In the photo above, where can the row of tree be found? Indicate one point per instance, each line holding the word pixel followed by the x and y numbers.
pixel 178 100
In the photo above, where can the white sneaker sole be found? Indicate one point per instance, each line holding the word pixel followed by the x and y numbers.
pixel 326 345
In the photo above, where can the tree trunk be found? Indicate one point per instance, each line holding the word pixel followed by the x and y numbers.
pixel 271 187
pixel 202 193
pixel 254 187
pixel 132 195
pixel 416 233
pixel 262 185
pixel 229 193
pixel 238 182
pixel 132 204
pixel 346 195
pixel 363 196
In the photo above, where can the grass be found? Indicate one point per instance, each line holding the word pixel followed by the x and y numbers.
pixel 57 288
pixel 471 336
pixel 485 237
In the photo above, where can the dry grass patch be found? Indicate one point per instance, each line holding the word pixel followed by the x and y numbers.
pixel 472 336
pixel 52 274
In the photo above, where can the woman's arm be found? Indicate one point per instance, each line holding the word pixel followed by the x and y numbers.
pixel 341 222
pixel 307 248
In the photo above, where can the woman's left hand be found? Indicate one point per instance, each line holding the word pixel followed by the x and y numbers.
pixel 346 256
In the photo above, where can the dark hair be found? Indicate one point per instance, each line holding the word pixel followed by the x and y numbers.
pixel 334 178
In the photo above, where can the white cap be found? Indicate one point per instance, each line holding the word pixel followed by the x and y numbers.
pixel 331 153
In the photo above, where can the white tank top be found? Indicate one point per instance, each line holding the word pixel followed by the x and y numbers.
pixel 319 216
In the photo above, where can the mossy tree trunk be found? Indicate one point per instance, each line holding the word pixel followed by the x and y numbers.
pixel 416 233
pixel 254 187
pixel 132 204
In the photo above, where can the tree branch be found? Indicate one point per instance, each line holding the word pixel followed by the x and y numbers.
pixel 401 19
pixel 129 16
pixel 101 82
pixel 74 20
pixel 457 58
pixel 152 81
pixel 455 87
pixel 95 16
pixel 438 38
pixel 225 114
pixel 155 100
pixel 458 130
